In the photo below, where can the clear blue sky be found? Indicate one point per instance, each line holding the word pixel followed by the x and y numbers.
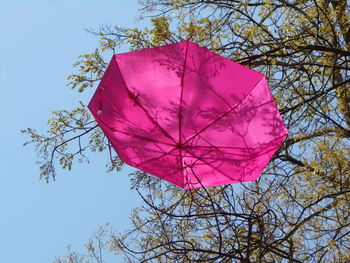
pixel 40 40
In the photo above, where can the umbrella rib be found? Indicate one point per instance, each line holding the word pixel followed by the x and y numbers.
pixel 214 168
pixel 141 137
pixel 231 147
pixel 176 170
pixel 180 114
pixel 155 158
pixel 181 94
pixel 223 115
pixel 233 155
pixel 132 134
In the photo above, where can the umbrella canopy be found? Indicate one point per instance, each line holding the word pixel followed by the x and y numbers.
pixel 188 115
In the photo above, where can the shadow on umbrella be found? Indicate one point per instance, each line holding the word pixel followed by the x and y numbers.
pixel 188 115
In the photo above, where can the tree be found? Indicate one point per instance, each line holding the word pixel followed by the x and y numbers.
pixel 298 211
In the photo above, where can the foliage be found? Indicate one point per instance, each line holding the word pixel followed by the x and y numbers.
pixel 298 211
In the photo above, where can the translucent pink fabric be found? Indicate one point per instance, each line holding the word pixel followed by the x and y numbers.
pixel 188 115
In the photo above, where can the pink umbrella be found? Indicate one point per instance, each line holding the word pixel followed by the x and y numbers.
pixel 188 115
